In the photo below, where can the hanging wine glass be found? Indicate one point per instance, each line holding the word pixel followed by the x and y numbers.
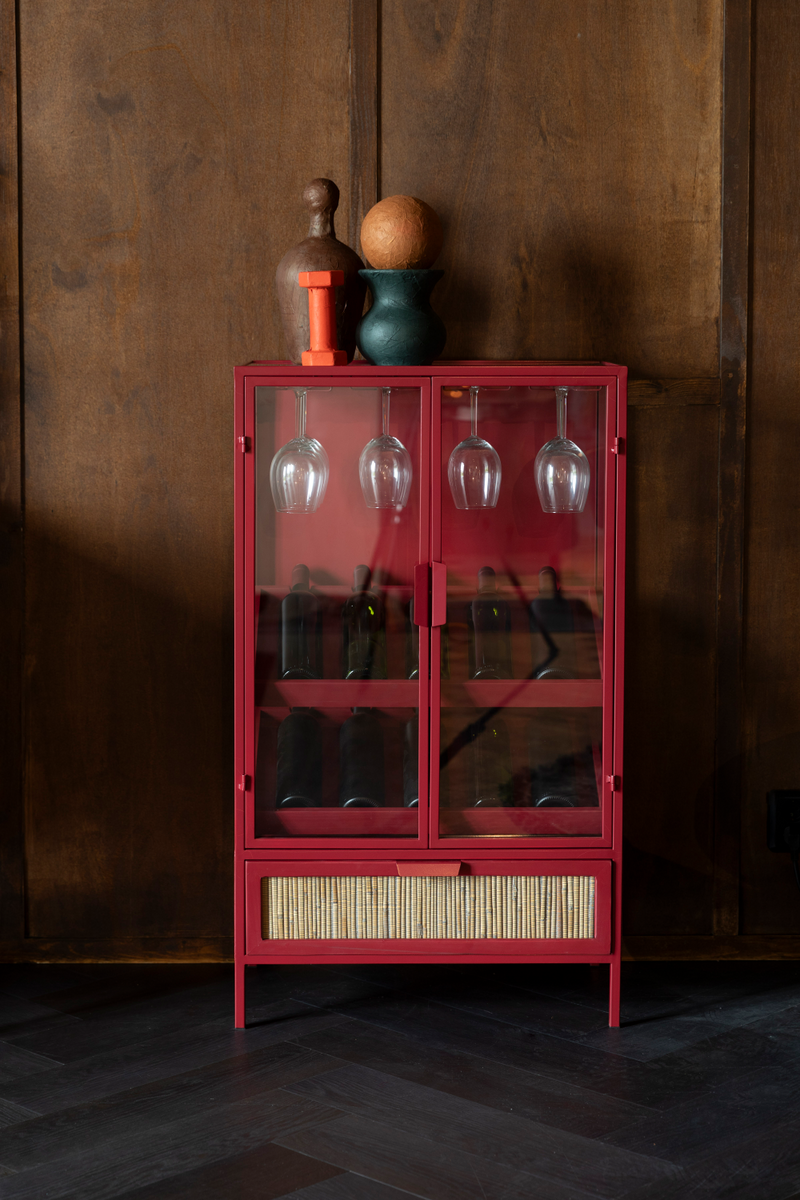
pixel 561 467
pixel 384 467
pixel 298 475
pixel 474 471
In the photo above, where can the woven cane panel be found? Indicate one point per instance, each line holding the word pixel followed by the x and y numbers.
pixel 462 906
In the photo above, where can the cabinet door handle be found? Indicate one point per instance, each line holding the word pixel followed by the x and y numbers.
pixel 422 594
pixel 424 867
pixel 438 593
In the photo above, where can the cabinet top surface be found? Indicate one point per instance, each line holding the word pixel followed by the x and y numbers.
pixel 442 367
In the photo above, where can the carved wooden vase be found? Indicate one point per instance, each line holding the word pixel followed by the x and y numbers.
pixel 320 251
pixel 401 329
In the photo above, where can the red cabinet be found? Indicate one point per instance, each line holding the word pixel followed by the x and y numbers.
pixel 429 694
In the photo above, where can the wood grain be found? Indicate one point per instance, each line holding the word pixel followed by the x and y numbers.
pixel 364 113
pixel 657 393
pixel 732 428
pixel 770 899
pixel 165 152
pixel 117 949
pixel 669 674
pixel 12 882
pixel 715 1111
pixel 741 947
pixel 573 154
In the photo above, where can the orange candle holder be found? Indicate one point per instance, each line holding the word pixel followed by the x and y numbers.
pixel 322 318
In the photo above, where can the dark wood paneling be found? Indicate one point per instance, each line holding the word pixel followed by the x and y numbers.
pixel 118 949
pixel 732 424
pixel 669 393
pixel 669 675
pixel 770 899
pixel 363 105
pixel 164 153
pixel 573 152
pixel 12 889
pixel 744 947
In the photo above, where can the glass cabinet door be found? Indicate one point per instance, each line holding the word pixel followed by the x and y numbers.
pixel 518 665
pixel 340 673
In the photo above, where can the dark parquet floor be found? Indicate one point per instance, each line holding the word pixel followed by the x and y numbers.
pixel 380 1083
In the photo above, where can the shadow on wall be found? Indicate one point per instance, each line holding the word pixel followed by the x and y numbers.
pixel 128 706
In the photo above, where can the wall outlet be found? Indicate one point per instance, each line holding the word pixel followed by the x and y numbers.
pixel 783 821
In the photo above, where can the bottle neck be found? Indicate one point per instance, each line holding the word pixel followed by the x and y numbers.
pixel 487 582
pixel 321 224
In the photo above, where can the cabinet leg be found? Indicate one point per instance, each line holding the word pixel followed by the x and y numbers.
pixel 239 973
pixel 613 994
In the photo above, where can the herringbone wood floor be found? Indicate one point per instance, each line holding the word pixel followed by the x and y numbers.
pixel 379 1083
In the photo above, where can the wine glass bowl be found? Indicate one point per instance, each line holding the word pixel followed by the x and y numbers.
pixel 474 470
pixel 299 472
pixel 561 468
pixel 385 470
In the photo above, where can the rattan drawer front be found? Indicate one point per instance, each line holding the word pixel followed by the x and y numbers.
pixel 464 906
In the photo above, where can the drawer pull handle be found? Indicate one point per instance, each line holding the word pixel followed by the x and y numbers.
pixel 428 868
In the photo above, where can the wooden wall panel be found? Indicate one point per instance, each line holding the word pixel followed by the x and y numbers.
pixel 573 151
pixel 670 669
pixel 12 915
pixel 164 148
pixel 770 899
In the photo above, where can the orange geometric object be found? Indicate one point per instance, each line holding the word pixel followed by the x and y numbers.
pixel 322 318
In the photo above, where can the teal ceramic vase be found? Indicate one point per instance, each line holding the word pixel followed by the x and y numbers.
pixel 401 329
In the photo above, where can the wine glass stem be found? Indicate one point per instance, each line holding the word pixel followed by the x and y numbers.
pixel 561 412
pixel 386 394
pixel 300 414
pixel 473 410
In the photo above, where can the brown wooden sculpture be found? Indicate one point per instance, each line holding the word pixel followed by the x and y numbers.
pixel 320 251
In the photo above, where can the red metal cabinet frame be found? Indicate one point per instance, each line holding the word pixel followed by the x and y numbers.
pixel 595 853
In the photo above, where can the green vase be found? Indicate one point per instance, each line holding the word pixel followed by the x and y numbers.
pixel 401 329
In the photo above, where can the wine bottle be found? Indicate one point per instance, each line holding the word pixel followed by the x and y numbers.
pixel 301 629
pixel 489 624
pixel 563 634
pixel 493 780
pixel 363 630
pixel 552 764
pixel 411 764
pixel 299 761
pixel 361 777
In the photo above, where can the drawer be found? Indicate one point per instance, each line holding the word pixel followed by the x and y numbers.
pixel 551 907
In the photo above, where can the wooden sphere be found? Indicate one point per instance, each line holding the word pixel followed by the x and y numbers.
pixel 401 233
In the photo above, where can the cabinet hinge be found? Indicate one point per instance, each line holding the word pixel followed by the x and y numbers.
pixel 614 782
pixel 244 783
pixel 244 444
pixel 618 446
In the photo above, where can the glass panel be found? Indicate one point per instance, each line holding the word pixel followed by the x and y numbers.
pixel 337 773
pixel 522 655
pixel 520 772
pixel 336 659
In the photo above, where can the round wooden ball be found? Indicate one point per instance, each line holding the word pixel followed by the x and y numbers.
pixel 401 233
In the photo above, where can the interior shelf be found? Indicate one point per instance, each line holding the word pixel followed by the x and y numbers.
pixel 402 822
pixel 340 693
pixel 280 694
pixel 338 822
pixel 523 693
pixel 527 822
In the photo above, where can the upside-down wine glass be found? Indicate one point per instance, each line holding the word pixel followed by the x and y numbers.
pixel 298 475
pixel 474 471
pixel 561 467
pixel 384 468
